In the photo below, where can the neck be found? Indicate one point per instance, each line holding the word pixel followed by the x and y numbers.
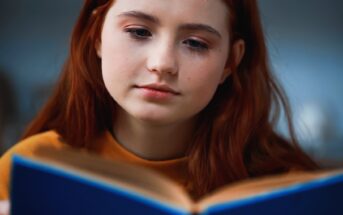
pixel 153 141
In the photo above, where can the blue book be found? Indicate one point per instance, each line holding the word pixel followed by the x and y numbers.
pixel 68 182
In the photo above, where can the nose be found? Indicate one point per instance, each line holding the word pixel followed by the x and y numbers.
pixel 162 58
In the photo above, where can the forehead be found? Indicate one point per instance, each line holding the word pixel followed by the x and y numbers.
pixel 212 12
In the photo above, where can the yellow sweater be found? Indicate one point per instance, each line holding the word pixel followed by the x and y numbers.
pixel 106 146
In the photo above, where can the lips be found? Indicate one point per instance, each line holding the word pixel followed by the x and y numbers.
pixel 160 88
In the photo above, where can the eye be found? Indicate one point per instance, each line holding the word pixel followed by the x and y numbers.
pixel 138 33
pixel 196 45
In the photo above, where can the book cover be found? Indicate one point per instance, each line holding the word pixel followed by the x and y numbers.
pixel 40 189
pixel 66 183
pixel 316 197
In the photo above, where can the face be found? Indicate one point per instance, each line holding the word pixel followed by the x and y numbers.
pixel 162 60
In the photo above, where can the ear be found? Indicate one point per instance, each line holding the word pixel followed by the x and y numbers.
pixel 236 55
pixel 98 47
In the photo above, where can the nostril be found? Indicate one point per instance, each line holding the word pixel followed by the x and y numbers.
pixel 163 65
pixel 163 58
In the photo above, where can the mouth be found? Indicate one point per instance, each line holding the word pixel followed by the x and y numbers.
pixel 163 88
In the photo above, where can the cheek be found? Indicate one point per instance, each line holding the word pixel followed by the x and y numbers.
pixel 115 58
pixel 203 74
pixel 201 82
pixel 110 54
pixel 113 67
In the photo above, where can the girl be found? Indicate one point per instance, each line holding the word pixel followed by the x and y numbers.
pixel 182 87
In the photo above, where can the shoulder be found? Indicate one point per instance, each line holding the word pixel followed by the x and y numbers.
pixel 28 145
pixel 25 147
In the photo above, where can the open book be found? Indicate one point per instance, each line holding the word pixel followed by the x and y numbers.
pixel 69 182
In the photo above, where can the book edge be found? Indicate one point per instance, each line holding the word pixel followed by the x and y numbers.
pixel 275 193
pixel 93 181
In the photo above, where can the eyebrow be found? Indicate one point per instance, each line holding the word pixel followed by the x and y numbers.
pixel 200 27
pixel 140 15
pixel 155 20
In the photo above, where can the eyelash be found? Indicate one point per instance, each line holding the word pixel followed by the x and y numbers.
pixel 196 45
pixel 134 33
pixel 142 34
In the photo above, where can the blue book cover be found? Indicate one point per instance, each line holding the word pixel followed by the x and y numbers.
pixel 57 183
pixel 316 197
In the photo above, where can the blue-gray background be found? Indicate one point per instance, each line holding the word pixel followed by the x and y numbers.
pixel 304 39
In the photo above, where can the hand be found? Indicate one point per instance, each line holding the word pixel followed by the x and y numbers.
pixel 4 207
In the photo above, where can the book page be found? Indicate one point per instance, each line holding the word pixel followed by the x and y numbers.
pixel 134 178
pixel 253 187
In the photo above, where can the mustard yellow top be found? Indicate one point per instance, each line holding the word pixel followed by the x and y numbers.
pixel 106 146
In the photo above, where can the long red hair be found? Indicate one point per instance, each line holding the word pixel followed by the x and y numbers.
pixel 235 138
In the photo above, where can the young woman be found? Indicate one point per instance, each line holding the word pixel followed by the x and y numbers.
pixel 182 87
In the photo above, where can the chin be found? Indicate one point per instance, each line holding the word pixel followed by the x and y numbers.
pixel 152 113
pixel 154 119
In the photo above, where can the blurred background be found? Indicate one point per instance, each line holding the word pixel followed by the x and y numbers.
pixel 304 40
